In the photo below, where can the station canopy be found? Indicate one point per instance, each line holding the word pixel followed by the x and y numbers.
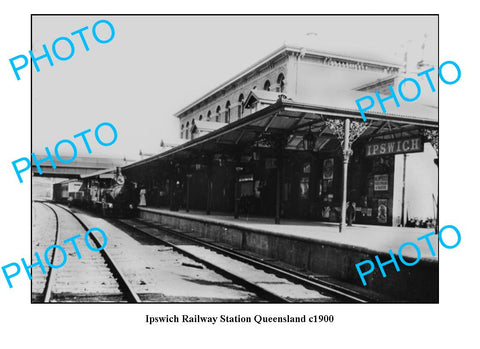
pixel 275 113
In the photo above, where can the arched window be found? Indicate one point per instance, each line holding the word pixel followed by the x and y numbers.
pixel 240 102
pixel 266 86
pixel 209 115
pixel 281 83
pixel 227 112
pixel 200 118
pixel 217 115
pixel 187 130
pixel 181 131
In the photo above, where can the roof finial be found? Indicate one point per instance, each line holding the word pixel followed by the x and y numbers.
pixel 311 39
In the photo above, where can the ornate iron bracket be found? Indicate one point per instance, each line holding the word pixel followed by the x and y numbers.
pixel 357 128
pixel 432 136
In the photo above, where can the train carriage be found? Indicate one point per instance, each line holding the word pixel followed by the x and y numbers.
pixel 68 192
pixel 106 192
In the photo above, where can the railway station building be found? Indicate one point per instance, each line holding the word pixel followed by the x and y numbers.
pixel 284 139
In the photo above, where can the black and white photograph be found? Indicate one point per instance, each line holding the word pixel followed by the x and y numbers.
pixel 208 174
pixel 204 165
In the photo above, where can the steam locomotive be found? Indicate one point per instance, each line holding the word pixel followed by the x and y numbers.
pixel 106 192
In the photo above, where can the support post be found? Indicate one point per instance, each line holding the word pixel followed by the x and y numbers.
pixel 235 196
pixel 170 189
pixel 209 194
pixel 278 189
pixel 346 159
pixel 209 187
pixel 432 136
pixel 237 168
pixel 437 221
pixel 277 196
pixel 403 189
pixel 187 199
pixel 173 177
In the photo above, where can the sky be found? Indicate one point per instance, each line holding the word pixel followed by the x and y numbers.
pixel 156 65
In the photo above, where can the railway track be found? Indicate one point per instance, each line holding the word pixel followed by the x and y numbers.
pixel 130 289
pixel 271 283
pixel 66 284
pixel 165 234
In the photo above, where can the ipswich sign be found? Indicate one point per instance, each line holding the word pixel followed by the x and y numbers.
pixel 395 146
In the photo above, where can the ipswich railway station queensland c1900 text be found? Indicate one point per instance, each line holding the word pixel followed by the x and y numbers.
pixel 273 190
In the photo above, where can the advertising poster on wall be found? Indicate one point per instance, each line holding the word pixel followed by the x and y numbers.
pixel 382 211
pixel 380 182
pixel 328 169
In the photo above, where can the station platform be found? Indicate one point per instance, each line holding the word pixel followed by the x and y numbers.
pixel 318 247
pixel 371 238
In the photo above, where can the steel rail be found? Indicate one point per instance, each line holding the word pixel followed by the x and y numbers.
pixel 127 289
pixel 47 292
pixel 259 290
pixel 270 268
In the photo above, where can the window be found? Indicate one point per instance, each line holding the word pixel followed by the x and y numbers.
pixel 181 131
pixel 266 86
pixel 240 102
pixel 281 83
pixel 217 115
pixel 227 112
pixel 209 115
pixel 192 128
pixel 200 118
pixel 187 130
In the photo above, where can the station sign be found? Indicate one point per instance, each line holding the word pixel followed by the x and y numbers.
pixel 395 146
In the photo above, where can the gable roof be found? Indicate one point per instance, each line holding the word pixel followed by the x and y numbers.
pixel 207 125
pixel 263 96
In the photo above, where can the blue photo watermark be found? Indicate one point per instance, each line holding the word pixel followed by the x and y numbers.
pixel 21 61
pixel 393 96
pixel 9 273
pixel 392 260
pixel 82 135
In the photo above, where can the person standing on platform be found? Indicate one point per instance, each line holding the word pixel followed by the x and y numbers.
pixel 143 200
pixel 350 213
pixel 176 196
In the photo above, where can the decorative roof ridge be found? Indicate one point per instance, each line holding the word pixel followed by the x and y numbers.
pixel 278 52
